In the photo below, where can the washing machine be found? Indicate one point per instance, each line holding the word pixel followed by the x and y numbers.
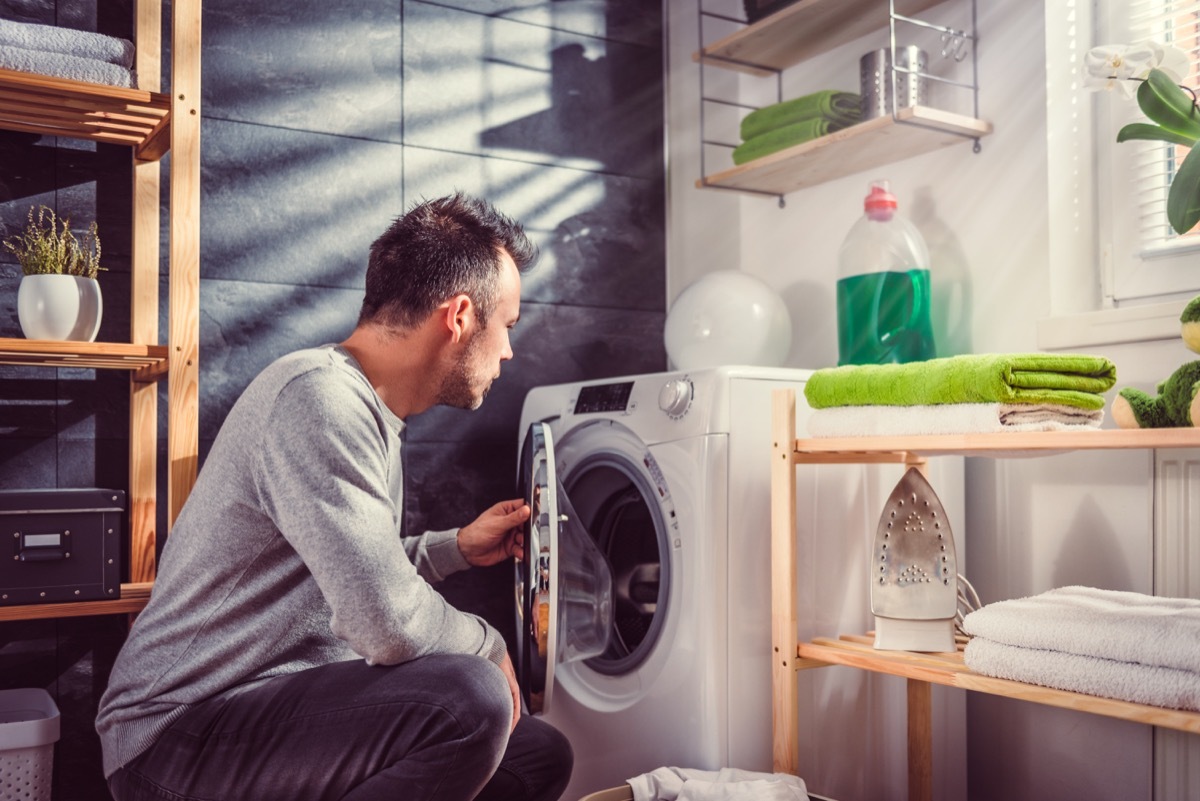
pixel 667 478
pixel 644 598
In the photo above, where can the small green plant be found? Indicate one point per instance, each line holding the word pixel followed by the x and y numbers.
pixel 48 247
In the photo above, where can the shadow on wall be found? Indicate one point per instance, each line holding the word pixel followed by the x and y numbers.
pixel 607 130
pixel 1091 554
pixel 813 309
pixel 949 276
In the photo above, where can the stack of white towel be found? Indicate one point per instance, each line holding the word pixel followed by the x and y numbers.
pixel 727 784
pixel 1121 645
pixel 66 53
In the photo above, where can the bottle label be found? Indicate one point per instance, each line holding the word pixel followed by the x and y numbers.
pixel 883 318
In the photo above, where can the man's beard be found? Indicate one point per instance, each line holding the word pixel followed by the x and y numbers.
pixel 457 389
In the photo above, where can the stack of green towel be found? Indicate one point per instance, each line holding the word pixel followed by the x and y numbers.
pixel 961 394
pixel 772 128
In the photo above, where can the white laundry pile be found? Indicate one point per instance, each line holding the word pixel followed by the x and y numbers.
pixel 727 784
pixel 1122 645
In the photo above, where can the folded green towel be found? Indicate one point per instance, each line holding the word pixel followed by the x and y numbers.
pixel 1068 379
pixel 782 138
pixel 843 108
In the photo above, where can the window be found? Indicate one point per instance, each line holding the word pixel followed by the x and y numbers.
pixel 1141 257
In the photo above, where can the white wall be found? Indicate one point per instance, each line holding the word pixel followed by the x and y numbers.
pixel 1032 524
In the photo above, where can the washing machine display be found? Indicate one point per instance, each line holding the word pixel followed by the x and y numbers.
pixel 603 398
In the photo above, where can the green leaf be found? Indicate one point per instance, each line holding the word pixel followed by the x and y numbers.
pixel 1170 106
pixel 1183 199
pixel 1141 130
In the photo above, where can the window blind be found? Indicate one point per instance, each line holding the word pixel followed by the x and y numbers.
pixel 1177 23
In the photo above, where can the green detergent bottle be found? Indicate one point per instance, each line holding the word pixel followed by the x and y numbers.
pixel 883 287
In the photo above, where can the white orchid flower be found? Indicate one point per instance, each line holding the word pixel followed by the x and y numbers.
pixel 1123 66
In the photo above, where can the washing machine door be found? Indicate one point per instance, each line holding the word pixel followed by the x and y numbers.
pixel 563 582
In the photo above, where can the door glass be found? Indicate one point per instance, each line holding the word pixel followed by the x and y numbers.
pixel 563 583
pixel 610 496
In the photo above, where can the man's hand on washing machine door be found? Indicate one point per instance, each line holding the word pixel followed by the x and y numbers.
pixel 496 535
pixel 511 675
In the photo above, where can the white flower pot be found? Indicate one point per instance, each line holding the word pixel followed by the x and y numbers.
pixel 59 307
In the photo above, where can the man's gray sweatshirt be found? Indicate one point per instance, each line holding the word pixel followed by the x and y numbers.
pixel 286 556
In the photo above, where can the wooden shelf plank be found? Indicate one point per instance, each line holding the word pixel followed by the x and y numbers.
pixel 870 144
pixel 864 450
pixel 148 361
pixel 133 599
pixel 948 670
pixel 60 107
pixel 801 31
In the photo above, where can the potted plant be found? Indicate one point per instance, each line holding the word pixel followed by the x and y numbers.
pixel 1155 70
pixel 59 296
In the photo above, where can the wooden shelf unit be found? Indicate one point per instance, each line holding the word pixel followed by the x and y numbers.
pixel 148 363
pixel 802 31
pixel 150 123
pixel 921 670
pixel 133 599
pixel 60 107
pixel 947 669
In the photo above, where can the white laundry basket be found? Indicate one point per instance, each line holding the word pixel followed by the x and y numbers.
pixel 29 727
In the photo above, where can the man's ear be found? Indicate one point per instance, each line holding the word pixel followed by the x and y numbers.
pixel 459 316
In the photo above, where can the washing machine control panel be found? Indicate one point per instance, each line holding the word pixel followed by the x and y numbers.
pixel 675 397
pixel 604 398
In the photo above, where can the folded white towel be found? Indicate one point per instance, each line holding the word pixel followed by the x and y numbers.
pixel 1122 626
pixel 59 65
pixel 1105 678
pixel 68 41
pixel 949 418
pixel 727 784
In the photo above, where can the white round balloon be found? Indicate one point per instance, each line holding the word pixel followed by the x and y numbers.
pixel 728 317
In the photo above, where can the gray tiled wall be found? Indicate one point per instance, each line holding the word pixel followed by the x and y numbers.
pixel 322 122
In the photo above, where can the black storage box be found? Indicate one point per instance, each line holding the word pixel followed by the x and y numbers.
pixel 757 9
pixel 60 545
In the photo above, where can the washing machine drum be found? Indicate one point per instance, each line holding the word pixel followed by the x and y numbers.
pixel 623 513
pixel 564 585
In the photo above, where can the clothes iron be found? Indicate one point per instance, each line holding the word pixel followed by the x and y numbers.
pixel 914 581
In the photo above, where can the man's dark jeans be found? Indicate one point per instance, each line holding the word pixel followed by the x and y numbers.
pixel 433 728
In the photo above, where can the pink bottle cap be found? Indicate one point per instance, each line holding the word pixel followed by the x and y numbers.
pixel 880 204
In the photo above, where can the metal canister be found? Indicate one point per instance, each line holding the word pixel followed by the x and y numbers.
pixel 876 82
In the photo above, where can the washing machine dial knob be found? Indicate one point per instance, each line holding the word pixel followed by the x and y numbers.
pixel 675 397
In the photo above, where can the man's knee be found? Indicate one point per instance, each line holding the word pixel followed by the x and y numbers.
pixel 481 692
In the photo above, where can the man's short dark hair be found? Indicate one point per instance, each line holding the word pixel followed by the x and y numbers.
pixel 438 249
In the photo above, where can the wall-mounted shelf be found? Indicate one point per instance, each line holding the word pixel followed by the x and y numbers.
pixel 800 31
pixel 879 141
pixel 807 29
pixel 920 669
pixel 60 107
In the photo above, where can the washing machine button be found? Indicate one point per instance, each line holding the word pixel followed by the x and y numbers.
pixel 675 397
